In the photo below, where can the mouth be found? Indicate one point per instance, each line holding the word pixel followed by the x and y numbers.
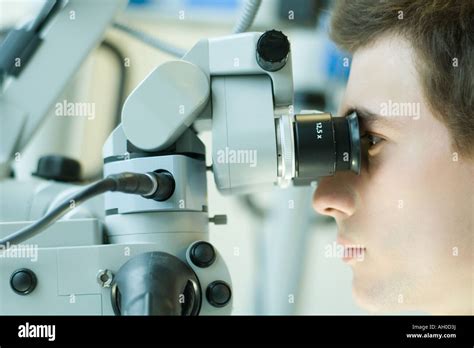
pixel 352 252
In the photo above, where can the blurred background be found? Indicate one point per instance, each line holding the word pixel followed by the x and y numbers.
pixel 274 243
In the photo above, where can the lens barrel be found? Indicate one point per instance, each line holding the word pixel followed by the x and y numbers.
pixel 325 144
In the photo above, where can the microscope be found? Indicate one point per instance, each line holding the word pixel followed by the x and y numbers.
pixel 150 254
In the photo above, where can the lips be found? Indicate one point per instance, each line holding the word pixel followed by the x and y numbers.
pixel 352 251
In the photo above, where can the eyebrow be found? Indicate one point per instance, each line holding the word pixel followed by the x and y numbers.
pixel 371 119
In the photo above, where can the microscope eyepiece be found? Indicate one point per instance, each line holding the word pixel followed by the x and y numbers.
pixel 321 145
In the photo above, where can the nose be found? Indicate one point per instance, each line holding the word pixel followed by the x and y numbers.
pixel 335 198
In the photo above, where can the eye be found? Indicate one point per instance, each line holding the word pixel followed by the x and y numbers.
pixel 373 139
pixel 373 143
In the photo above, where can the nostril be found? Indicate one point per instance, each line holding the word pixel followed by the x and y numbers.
pixel 338 206
pixel 335 213
pixel 329 211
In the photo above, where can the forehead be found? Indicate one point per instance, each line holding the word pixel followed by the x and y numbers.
pixel 384 71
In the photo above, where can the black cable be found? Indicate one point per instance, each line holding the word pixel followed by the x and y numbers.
pixel 122 85
pixel 49 9
pixel 3 34
pixel 153 185
pixel 150 40
pixel 37 227
pixel 124 74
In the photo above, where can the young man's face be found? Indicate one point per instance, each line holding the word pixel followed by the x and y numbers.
pixel 412 205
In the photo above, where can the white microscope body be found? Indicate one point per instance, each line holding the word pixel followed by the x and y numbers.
pixel 150 254
pixel 152 257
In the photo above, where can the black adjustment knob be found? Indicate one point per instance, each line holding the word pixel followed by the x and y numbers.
pixel 218 293
pixel 23 281
pixel 202 254
pixel 273 48
pixel 59 168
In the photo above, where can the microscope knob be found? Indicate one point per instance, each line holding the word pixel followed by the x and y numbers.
pixel 273 48
pixel 58 168
pixel 218 293
pixel 23 281
pixel 202 254
pixel 219 219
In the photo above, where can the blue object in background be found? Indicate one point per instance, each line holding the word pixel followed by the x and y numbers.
pixel 221 4
pixel 338 63
pixel 139 2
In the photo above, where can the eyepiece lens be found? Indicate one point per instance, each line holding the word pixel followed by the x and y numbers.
pixel 326 144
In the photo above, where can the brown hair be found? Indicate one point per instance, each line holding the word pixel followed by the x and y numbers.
pixel 442 34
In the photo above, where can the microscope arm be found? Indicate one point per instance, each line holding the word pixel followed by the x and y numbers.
pixel 224 80
pixel 176 93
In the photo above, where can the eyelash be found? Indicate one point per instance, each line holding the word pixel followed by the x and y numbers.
pixel 372 139
pixel 374 143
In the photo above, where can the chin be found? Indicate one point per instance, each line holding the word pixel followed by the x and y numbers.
pixel 373 297
pixel 363 301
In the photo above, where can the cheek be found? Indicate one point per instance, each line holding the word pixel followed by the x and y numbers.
pixel 409 210
pixel 393 190
pixel 383 202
